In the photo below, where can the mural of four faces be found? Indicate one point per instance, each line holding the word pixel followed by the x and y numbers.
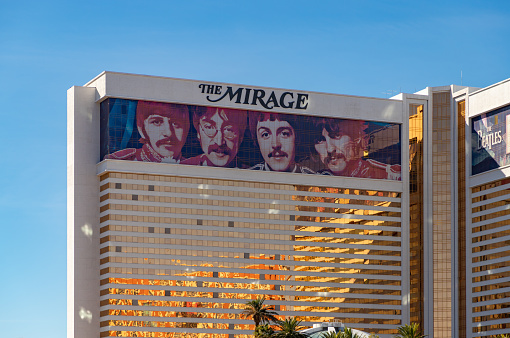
pixel 337 145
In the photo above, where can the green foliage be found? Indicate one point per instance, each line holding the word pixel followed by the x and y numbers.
pixel 349 334
pixel 264 331
pixel 333 334
pixel 410 331
pixel 289 328
pixel 259 312
pixel 346 334
pixel 373 336
pixel 503 336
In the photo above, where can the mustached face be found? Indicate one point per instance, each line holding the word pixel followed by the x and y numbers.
pixel 166 135
pixel 219 138
pixel 276 140
pixel 335 151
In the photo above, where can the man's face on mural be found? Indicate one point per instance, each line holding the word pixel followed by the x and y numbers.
pixel 335 151
pixel 166 135
pixel 219 137
pixel 276 140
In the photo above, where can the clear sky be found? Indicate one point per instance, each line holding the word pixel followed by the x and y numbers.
pixel 366 48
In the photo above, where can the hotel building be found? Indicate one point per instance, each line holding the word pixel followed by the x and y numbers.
pixel 417 231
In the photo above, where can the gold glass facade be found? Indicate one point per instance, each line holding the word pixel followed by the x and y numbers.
pixel 416 211
pixel 490 252
pixel 181 256
pixel 441 196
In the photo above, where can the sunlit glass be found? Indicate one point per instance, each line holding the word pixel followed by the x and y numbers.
pixel 229 132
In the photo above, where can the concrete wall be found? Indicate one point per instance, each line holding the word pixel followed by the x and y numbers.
pixel 82 213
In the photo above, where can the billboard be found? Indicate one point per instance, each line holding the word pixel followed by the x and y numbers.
pixel 137 130
pixel 490 142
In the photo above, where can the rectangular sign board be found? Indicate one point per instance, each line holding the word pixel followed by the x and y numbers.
pixel 149 131
pixel 490 141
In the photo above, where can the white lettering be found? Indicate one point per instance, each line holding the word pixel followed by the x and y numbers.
pixel 489 140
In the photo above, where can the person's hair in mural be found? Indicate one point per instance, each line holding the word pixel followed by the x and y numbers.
pixel 163 128
pixel 220 132
pixel 337 143
pixel 170 119
pixel 339 146
pixel 279 139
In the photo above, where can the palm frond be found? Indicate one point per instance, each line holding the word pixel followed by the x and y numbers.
pixel 259 312
pixel 289 328
pixel 332 334
pixel 410 331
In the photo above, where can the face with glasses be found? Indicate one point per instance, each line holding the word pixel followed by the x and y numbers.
pixel 219 135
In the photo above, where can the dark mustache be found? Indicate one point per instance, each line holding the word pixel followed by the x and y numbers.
pixel 167 141
pixel 223 149
pixel 334 155
pixel 277 152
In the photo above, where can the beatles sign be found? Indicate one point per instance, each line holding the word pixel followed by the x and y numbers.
pixel 248 139
pixel 490 141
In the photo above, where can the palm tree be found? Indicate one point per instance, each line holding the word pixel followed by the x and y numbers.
pixel 410 331
pixel 264 331
pixel 333 334
pixel 289 328
pixel 259 312
pixel 348 334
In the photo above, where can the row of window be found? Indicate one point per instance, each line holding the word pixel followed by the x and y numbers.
pixel 208 229
pixel 324 244
pixel 220 187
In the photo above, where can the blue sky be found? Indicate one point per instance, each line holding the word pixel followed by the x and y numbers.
pixel 365 48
